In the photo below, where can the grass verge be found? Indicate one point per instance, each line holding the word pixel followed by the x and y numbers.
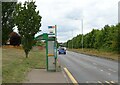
pixel 98 53
pixel 15 66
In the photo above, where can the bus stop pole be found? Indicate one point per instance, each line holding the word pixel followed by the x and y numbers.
pixel 56 45
pixel 46 53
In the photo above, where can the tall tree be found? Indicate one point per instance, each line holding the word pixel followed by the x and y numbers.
pixel 7 19
pixel 118 37
pixel 28 21
pixel 98 40
pixel 108 39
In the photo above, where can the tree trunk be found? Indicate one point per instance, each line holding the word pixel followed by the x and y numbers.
pixel 26 53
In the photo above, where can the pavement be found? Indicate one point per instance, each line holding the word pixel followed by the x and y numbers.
pixel 38 76
pixel 42 76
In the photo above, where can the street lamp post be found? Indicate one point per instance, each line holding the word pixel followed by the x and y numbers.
pixel 68 44
pixel 82 33
pixel 72 39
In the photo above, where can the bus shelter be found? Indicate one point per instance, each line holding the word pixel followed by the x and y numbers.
pixel 51 50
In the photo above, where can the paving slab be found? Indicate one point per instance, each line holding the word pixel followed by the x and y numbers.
pixel 42 76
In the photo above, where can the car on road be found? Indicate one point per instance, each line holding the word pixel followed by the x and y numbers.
pixel 61 50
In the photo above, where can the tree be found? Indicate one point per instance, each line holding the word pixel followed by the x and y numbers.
pixel 7 19
pixel 98 40
pixel 107 39
pixel 79 41
pixel 118 37
pixel 27 19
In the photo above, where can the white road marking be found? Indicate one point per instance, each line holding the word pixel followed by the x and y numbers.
pixel 109 73
pixel 112 82
pixel 99 82
pixel 101 70
pixel 107 82
pixel 91 82
pixel 111 70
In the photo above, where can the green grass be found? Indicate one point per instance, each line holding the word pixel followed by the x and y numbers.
pixel 15 66
pixel 98 53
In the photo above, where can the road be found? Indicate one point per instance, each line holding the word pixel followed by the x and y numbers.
pixel 88 69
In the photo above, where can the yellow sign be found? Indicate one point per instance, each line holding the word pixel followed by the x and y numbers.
pixel 50 55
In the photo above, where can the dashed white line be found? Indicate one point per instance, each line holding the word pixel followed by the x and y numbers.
pixel 112 82
pixel 99 82
pixel 111 70
pixel 107 82
pixel 109 73
pixel 101 70
pixel 91 82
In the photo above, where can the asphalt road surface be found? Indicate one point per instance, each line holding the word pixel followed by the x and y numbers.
pixel 88 69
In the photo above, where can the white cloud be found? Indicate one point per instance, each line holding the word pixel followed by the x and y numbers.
pixel 96 14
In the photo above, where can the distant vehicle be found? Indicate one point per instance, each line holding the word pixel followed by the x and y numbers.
pixel 62 50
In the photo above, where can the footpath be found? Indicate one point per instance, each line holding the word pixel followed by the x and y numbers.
pixel 42 76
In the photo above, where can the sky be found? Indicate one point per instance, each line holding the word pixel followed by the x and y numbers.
pixel 68 16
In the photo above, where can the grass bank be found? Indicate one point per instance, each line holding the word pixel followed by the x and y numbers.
pixel 15 66
pixel 98 53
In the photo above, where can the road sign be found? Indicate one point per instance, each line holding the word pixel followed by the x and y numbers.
pixel 51 29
